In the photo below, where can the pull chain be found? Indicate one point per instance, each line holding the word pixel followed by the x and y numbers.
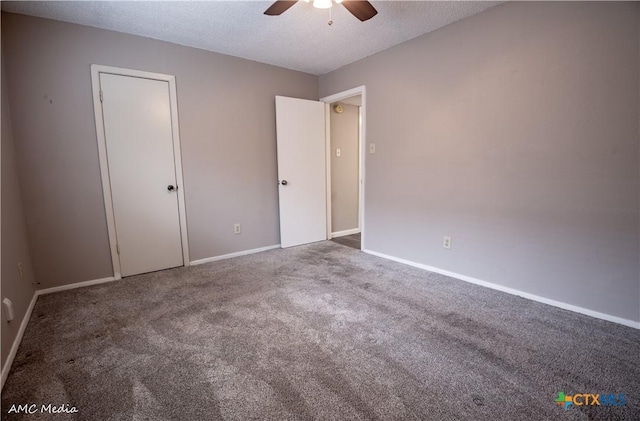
pixel 330 22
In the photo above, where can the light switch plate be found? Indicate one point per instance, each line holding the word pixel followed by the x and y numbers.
pixel 338 152
pixel 372 148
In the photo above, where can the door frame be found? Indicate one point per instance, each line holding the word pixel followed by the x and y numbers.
pixel 96 69
pixel 328 100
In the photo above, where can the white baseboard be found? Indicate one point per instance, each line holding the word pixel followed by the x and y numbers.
pixel 230 255
pixel 345 232
pixel 16 342
pixel 75 285
pixel 560 304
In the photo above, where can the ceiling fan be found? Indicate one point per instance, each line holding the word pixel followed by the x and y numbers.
pixel 361 9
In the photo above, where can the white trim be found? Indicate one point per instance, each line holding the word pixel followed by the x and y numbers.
pixel 362 91
pixel 360 162
pixel 345 232
pixel 177 157
pixel 345 94
pixel 25 321
pixel 104 170
pixel 96 69
pixel 231 255
pixel 16 342
pixel 512 291
pixel 76 285
pixel 363 167
pixel 328 157
pixel 23 325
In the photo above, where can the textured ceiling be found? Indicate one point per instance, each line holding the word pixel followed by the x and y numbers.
pixel 299 39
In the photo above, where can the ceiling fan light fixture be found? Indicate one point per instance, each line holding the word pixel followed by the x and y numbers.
pixel 362 9
pixel 322 4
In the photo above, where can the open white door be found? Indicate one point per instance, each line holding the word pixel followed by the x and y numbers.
pixel 300 126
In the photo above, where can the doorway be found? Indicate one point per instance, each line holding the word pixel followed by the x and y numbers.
pixel 345 167
pixel 345 184
pixel 139 148
pixel 304 151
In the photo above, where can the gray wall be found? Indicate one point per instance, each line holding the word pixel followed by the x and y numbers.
pixel 227 127
pixel 15 247
pixel 515 132
pixel 345 129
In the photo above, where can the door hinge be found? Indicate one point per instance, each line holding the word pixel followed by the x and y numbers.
pixel 101 97
pixel 118 248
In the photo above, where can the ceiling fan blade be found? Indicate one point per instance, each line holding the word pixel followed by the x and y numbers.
pixel 279 7
pixel 363 10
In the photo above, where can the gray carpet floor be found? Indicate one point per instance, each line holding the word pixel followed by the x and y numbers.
pixel 315 332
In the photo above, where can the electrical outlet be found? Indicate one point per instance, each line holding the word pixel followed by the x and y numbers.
pixel 446 242
pixel 20 271
pixel 237 229
pixel 8 309
pixel 372 148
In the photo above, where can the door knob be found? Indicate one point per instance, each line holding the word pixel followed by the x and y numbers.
pixel 284 182
pixel 170 187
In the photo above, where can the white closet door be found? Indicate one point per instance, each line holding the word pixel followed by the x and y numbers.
pixel 139 142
